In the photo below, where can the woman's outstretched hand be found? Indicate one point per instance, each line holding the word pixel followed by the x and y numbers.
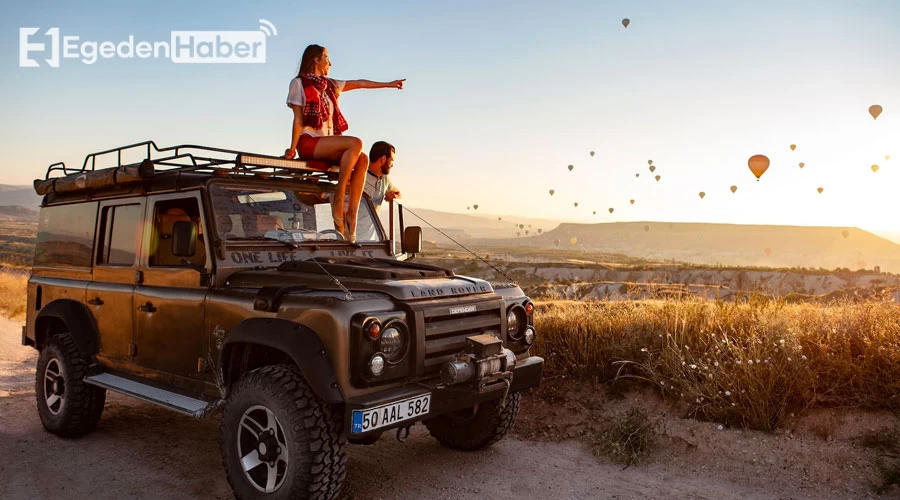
pixel 396 84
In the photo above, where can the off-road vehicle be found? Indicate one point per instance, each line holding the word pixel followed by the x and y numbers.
pixel 202 279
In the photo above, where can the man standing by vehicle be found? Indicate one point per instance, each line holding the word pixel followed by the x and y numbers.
pixel 378 184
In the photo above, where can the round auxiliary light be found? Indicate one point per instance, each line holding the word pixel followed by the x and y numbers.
pixel 529 336
pixel 392 344
pixel 372 329
pixel 529 308
pixel 376 365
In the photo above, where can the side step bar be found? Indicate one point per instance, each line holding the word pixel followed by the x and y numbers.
pixel 182 404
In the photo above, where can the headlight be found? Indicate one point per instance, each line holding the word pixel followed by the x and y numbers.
pixel 376 365
pixel 515 322
pixel 393 344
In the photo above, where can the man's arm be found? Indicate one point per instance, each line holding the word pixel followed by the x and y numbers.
pixel 369 84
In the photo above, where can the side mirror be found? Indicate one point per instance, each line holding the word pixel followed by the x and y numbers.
pixel 184 239
pixel 412 239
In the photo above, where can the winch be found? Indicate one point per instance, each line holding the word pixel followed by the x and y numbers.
pixel 485 362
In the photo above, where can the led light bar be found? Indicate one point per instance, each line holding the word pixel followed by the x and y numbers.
pixel 268 161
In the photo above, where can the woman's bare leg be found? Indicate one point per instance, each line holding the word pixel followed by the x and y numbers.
pixel 348 150
pixel 357 185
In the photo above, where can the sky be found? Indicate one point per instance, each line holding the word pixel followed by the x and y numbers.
pixel 501 97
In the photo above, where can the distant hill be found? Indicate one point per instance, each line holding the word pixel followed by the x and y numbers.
pixel 19 195
pixel 19 213
pixel 727 244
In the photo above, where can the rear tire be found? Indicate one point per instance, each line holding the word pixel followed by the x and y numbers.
pixel 67 405
pixel 477 427
pixel 279 441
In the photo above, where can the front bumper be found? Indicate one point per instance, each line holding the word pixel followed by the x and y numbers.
pixel 527 373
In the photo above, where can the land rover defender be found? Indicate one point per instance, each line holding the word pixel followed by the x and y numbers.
pixel 205 280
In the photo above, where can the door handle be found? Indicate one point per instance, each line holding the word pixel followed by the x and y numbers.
pixel 147 308
pixel 96 301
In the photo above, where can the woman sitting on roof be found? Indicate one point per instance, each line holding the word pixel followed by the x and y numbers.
pixel 318 128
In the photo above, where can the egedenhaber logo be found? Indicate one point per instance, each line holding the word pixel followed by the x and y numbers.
pixel 183 47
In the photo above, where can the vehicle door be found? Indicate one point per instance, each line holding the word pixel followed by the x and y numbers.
pixel 170 302
pixel 114 277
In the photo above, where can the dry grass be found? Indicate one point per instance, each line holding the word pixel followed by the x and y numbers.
pixel 743 363
pixel 13 286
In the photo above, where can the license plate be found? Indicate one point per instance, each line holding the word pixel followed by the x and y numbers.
pixel 391 413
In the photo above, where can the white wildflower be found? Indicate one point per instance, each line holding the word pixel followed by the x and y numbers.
pixel 693 367
pixel 803 357
pixel 728 393
pixel 781 341
pixel 643 349
pixel 716 363
pixel 789 358
pixel 738 361
pixel 719 427
pixel 749 361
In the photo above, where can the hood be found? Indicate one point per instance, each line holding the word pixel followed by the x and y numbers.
pixel 401 280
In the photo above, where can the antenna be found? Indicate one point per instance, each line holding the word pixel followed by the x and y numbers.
pixel 268 28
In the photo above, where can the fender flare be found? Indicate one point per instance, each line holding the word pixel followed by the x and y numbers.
pixel 299 342
pixel 78 321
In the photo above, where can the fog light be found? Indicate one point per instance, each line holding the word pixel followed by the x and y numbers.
pixel 529 335
pixel 376 365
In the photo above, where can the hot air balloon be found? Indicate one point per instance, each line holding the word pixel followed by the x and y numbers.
pixel 611 209
pixel 595 212
pixel 657 178
pixel 571 167
pixel 518 234
pixel 793 147
pixel 874 168
pixel 632 201
pixel 758 165
pixel 592 153
pixel 556 242
pixel 475 207
pixel 637 175
pixel 529 226
pixel 875 110
pixel 499 218
pixel 733 189
pixel 768 251
pixel 652 169
pixel 887 157
pixel 820 190
pixel 626 22
pixel 646 228
pixel 576 204
pixel 521 226
pixel 573 240
pixel 552 191
pixel 526 232
pixel 468 208
pixel 702 195
pixel 540 230
pixel 649 162
pixel 802 164
pixel 845 234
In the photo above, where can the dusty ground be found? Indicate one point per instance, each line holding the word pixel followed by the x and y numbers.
pixel 142 451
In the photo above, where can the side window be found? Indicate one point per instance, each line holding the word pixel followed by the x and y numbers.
pixel 165 215
pixel 120 236
pixel 65 235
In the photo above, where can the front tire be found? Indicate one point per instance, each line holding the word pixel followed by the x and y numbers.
pixel 67 405
pixel 477 427
pixel 279 440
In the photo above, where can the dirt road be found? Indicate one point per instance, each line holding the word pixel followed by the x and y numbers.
pixel 142 451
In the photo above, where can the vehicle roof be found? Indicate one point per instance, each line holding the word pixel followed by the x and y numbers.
pixel 177 168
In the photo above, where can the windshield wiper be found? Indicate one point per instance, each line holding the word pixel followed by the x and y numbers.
pixel 264 238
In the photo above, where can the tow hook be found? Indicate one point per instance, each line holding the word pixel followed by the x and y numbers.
pixel 403 433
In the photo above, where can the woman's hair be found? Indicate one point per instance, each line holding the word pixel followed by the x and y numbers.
pixel 310 55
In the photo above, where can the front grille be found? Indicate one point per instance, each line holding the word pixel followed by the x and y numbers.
pixel 446 328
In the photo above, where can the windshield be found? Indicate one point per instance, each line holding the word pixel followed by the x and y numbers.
pixel 244 212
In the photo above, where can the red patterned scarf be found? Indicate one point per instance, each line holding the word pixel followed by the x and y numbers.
pixel 314 112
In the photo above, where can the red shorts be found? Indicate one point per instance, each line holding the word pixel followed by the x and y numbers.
pixel 306 147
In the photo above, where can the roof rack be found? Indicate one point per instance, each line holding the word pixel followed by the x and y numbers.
pixel 202 159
